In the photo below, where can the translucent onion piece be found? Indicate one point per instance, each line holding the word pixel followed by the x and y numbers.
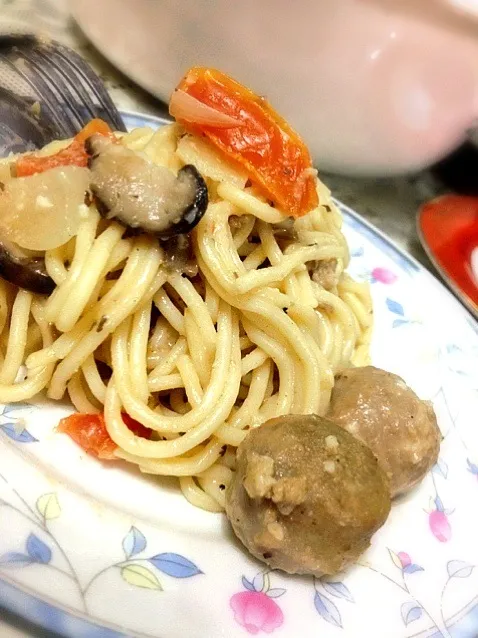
pixel 43 211
pixel 187 108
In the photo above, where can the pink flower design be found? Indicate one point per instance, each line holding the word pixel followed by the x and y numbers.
pixel 256 612
pixel 439 525
pixel 384 276
pixel 254 609
pixel 405 559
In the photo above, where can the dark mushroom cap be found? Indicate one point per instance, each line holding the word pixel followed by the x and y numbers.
pixel 23 271
pixel 142 195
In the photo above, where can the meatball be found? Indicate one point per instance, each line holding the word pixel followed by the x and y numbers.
pixel 382 411
pixel 307 496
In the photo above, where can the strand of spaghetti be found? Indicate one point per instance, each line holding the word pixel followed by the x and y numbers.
pixel 34 339
pixel 245 229
pixel 254 259
pixel 245 342
pixel 120 253
pixel 17 337
pixel 308 321
pixel 163 336
pixel 138 138
pixel 222 235
pixel 247 248
pixel 4 304
pixel 290 262
pixel 257 393
pixel 83 242
pixel 299 314
pixel 196 496
pixel 249 204
pixel 324 331
pixel 168 363
pixel 306 295
pixel 308 237
pixel 37 378
pixel 206 253
pixel 201 356
pixel 360 311
pixel 79 397
pixel 138 293
pixel 200 460
pixel 87 279
pixel 212 302
pixel 169 311
pixel 213 397
pixel 190 380
pixel 215 481
pixel 280 356
pixel 228 340
pixel 230 436
pixel 343 313
pixel 55 265
pixel 138 345
pixel 65 343
pixel 338 341
pixel 253 360
pixel 93 378
pixel 232 431
pixel 196 305
pixel 166 382
pixel 275 256
pixel 161 146
pixel 263 315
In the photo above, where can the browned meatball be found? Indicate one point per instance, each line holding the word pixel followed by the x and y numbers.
pixel 382 411
pixel 307 496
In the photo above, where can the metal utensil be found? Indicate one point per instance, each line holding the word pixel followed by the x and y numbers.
pixel 47 92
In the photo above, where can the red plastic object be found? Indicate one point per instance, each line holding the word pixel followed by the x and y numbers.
pixel 449 231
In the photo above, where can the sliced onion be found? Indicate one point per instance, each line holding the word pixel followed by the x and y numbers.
pixel 183 106
pixel 43 211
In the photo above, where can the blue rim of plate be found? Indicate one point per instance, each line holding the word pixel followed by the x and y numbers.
pixel 68 622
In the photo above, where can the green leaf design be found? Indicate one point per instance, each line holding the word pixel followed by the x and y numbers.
pixel 140 576
pixel 267 583
pixel 48 506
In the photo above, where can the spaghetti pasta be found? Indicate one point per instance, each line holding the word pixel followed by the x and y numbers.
pixel 258 331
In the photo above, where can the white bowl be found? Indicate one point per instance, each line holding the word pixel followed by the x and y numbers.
pixel 374 87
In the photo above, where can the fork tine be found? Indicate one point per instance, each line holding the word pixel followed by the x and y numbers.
pixel 93 82
pixel 57 64
pixel 49 79
pixel 40 92
pixel 67 89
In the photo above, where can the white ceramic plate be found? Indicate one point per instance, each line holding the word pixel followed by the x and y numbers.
pixel 101 551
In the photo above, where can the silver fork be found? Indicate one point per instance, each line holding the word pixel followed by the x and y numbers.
pixel 47 91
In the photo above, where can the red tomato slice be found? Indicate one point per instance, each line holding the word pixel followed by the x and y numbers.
pixel 449 224
pixel 90 433
pixel 74 154
pixel 273 154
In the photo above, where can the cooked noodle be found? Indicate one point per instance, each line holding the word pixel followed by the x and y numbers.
pixel 198 359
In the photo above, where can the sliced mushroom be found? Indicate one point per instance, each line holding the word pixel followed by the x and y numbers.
pixel 143 195
pixel 24 269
